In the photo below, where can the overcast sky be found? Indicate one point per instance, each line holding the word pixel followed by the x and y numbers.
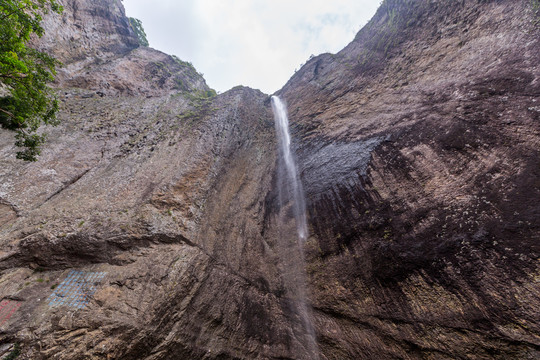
pixel 257 43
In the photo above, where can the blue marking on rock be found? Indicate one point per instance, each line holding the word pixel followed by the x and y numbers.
pixel 76 290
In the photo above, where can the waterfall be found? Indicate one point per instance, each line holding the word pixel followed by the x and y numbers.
pixel 290 246
pixel 293 180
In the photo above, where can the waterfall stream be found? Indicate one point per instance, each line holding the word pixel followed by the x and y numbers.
pixel 292 200
pixel 296 192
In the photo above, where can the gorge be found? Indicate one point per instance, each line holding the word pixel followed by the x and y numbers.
pixel 153 227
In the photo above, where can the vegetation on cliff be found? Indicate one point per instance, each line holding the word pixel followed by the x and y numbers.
pixel 26 102
pixel 137 26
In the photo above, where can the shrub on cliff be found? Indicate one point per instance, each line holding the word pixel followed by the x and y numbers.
pixel 26 102
pixel 137 26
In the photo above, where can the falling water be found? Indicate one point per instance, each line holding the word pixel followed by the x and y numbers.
pixel 291 196
pixel 293 181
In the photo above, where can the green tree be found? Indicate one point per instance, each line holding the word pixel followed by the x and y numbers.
pixel 26 101
pixel 136 25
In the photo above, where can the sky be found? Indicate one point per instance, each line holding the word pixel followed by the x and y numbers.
pixel 256 43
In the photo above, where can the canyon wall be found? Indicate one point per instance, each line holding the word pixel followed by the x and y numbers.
pixel 148 228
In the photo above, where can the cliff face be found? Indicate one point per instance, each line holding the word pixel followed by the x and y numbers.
pixel 418 150
pixel 88 30
pixel 419 145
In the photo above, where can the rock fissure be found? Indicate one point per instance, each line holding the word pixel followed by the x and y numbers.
pixel 67 185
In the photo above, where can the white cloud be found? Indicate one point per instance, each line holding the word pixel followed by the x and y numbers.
pixel 257 43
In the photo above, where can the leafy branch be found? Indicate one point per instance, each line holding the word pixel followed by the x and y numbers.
pixel 26 101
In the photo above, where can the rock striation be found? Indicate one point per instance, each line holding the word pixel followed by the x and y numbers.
pixel 418 147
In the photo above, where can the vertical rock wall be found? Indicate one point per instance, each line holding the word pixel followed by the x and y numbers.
pixel 418 150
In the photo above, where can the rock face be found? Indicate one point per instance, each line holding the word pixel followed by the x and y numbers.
pixel 88 30
pixel 426 237
pixel 418 147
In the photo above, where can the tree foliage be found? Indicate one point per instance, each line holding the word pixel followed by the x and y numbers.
pixel 137 26
pixel 26 102
pixel 535 5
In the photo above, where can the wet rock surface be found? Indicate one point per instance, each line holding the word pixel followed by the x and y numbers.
pixel 432 251
pixel 418 150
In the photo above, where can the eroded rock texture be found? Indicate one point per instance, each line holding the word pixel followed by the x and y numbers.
pixel 418 146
